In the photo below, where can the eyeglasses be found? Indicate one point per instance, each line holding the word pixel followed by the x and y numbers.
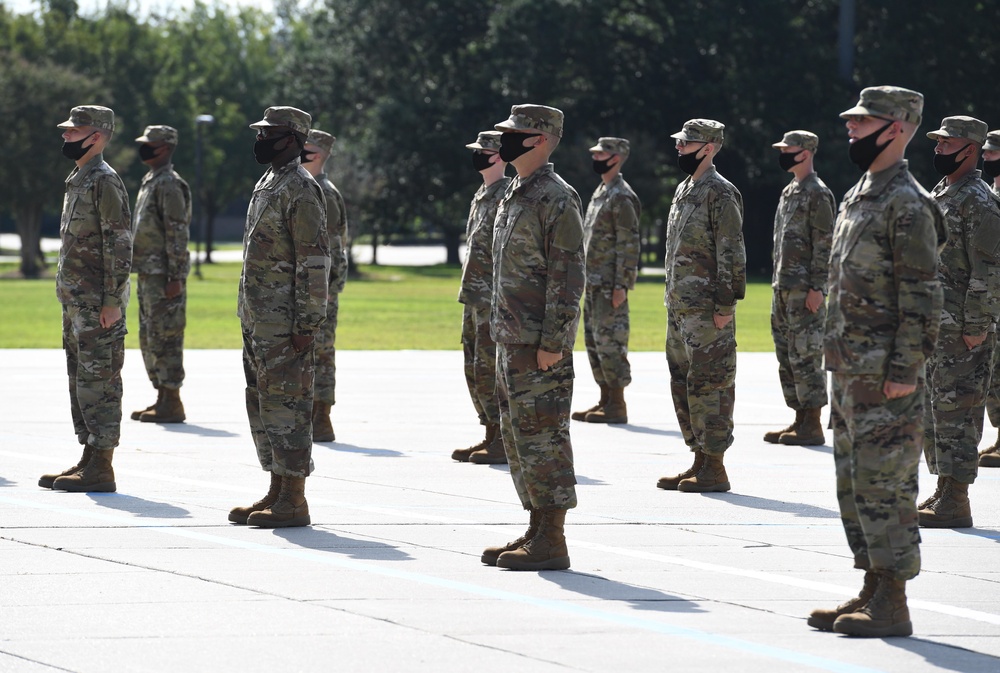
pixel 681 144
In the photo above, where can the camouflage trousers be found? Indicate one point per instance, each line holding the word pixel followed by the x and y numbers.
pixel 702 364
pixel 94 359
pixel 279 398
pixel 534 420
pixel 480 363
pixel 876 452
pixel 326 353
pixel 957 383
pixel 993 397
pixel 605 332
pixel 161 330
pixel 798 343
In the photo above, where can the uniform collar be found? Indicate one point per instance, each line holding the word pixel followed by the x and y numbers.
pixel 78 174
pixel 875 183
pixel 943 188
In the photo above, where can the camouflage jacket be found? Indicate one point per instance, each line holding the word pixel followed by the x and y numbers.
pixel 968 266
pixel 705 258
pixel 336 227
pixel 477 272
pixel 803 230
pixel 884 296
pixel 286 253
pixel 162 225
pixel 96 231
pixel 611 236
pixel 538 263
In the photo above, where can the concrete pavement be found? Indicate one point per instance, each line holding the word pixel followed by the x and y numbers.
pixel 153 578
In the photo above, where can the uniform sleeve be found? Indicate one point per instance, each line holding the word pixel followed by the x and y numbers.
pixel 626 222
pixel 116 242
pixel 726 213
pixel 175 208
pixel 565 277
pixel 338 257
pixel 981 305
pixel 821 230
pixel 307 227
pixel 916 229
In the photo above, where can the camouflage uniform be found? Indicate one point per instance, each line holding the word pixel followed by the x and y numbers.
pixel 957 377
pixel 803 229
pixel 705 275
pixel 160 255
pixel 882 322
pixel 95 259
pixel 538 279
pixel 611 239
pixel 283 292
pixel 993 397
pixel 476 292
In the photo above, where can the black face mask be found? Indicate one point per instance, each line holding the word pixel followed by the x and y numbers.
pixel 991 168
pixel 787 160
pixel 689 162
pixel 602 167
pixel 512 145
pixel 481 161
pixel 263 149
pixel 864 151
pixel 147 152
pixel 306 156
pixel 75 150
pixel 946 164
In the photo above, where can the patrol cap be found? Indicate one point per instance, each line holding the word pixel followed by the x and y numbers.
pixel 534 118
pixel 967 128
pixel 992 141
pixel 152 134
pixel 289 117
pixel 322 140
pixel 804 139
pixel 97 116
pixel 891 102
pixel 487 140
pixel 702 131
pixel 612 146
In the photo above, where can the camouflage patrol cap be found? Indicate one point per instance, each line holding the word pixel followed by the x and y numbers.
pixel 97 116
pixel 322 140
pixel 289 117
pixel 804 139
pixel 967 128
pixel 487 140
pixel 612 146
pixel 152 134
pixel 534 118
pixel 702 131
pixel 992 142
pixel 890 102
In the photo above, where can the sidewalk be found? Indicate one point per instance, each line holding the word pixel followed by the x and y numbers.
pixel 388 578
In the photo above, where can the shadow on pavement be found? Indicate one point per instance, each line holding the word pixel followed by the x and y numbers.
pixel 985 533
pixel 644 430
pixel 796 508
pixel 139 506
pixel 318 539
pixel 363 450
pixel 197 430
pixel 6 482
pixel 943 656
pixel 641 598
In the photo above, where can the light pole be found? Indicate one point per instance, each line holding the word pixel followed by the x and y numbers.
pixel 199 210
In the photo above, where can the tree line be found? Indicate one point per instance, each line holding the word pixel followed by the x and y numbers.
pixel 405 85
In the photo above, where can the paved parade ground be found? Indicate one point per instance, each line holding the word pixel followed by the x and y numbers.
pixel 388 577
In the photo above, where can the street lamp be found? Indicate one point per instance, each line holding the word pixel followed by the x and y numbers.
pixel 199 211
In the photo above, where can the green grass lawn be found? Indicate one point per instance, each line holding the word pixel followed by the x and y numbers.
pixel 387 308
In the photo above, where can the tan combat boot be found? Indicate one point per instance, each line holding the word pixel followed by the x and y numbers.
pixel 670 483
pixel 97 476
pixel 491 554
pixel 774 437
pixel 823 619
pixel 545 551
pixel 494 452
pixel 462 455
pixel 613 411
pixel 951 510
pixel 168 410
pixel 582 415
pixel 289 510
pixel 240 514
pixel 809 431
pixel 934 496
pixel 990 457
pixel 711 478
pixel 47 480
pixel 886 614
pixel 322 427
pixel 159 396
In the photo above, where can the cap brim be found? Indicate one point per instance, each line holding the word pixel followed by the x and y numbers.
pixel 68 124
pixel 475 146
pixel 507 126
pixel 598 148
pixel 263 123
pixel 143 139
pixel 781 144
